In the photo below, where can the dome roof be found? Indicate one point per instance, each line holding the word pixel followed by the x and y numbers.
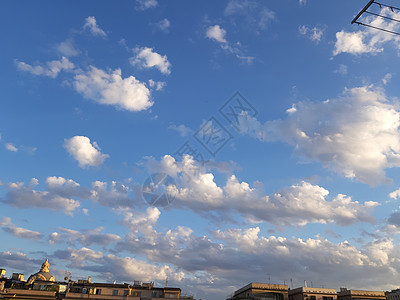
pixel 42 275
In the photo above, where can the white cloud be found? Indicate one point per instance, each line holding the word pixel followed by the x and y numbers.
pixel 23 196
pixel 296 205
pixel 11 147
pixel 77 257
pixel 314 34
pixel 116 267
pixel 91 24
pixel 356 134
pixel 250 13
pixel 61 192
pixel 117 195
pixel 86 153
pixel 67 48
pixel 216 33
pixel 143 222
pixel 164 25
pixel 111 89
pixel 146 58
pixel 145 4
pixel 18 261
pixel 181 129
pixel 126 268
pixel 86 237
pixel 20 232
pixel 395 195
pixel 342 69
pixel 240 255
pixel 369 40
pixel 386 78
pixel 51 69
pixel 353 43
pixel 302 2
pixel 158 85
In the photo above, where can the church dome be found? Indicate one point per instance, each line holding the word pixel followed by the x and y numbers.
pixel 42 275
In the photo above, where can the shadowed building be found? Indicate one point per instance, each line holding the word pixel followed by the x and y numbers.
pixel 312 293
pixel 393 295
pixel 346 294
pixel 261 291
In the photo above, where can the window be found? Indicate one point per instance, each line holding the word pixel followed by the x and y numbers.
pixel 154 295
pixel 126 292
pixel 115 292
pixel 98 291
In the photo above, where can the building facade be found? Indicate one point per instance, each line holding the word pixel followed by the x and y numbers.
pixel 312 293
pixel 261 291
pixel 346 294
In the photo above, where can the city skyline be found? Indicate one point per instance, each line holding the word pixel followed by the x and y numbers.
pixel 207 143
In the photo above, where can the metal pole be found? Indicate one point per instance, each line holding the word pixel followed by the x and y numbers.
pixel 362 11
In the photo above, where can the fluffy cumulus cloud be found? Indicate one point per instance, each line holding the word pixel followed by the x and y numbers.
pixel 50 69
pixel 234 256
pixel 20 232
pixel 116 267
pixel 195 188
pixel 216 33
pixel 63 194
pixel 91 25
pixel 110 88
pixel 369 40
pixel 86 153
pixel 116 194
pixel 78 257
pixel 58 196
pixel 356 134
pixel 147 58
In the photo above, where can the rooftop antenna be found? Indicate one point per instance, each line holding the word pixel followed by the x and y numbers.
pixel 166 282
pixel 378 15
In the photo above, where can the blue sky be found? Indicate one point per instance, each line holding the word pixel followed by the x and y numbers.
pixel 301 182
